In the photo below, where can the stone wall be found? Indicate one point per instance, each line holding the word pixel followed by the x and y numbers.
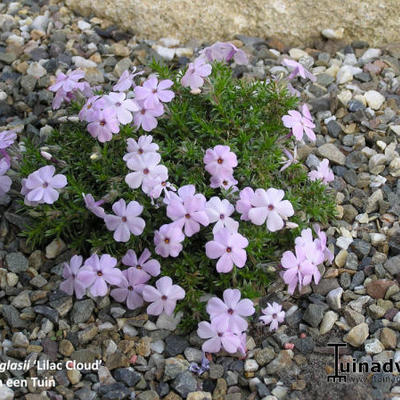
pixel 295 21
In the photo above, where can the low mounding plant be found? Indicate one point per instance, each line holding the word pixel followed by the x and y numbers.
pixel 211 199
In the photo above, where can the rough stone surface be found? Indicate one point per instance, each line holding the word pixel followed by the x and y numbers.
pixel 373 21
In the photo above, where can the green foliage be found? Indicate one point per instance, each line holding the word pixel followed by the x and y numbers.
pixel 247 117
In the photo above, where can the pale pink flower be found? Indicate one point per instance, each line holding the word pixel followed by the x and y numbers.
pixel 223 182
pixel 321 244
pixel 151 267
pixel 273 316
pixel 130 288
pixel 229 247
pixel 232 309
pixel 195 74
pixel 126 220
pixel 123 107
pixel 243 205
pixel 152 92
pixel 168 240
pixel 221 51
pixel 5 181
pixel 94 206
pixel 88 112
pixel 299 270
pixel 42 185
pixel 104 125
pixel 269 206
pixel 187 209
pixel 298 69
pixel 146 117
pixel 219 337
pixel 97 272
pixel 300 124
pixel 323 173
pixel 156 186
pixel 7 138
pixel 70 274
pixel 146 168
pixel 220 161
pixel 126 80
pixel 143 145
pixel 292 158
pixel 163 297
pixel 219 212
pixel 67 82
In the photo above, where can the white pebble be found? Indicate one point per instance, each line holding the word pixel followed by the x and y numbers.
pixel 83 25
pixel 374 99
pixel 81 62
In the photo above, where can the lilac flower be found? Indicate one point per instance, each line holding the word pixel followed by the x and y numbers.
pixel 126 220
pixel 299 270
pixel 323 173
pixel 7 138
pixel 168 240
pixel 146 167
pixel 312 248
pixel 25 191
pixel 219 337
pixel 321 244
pixel 229 248
pixel 142 146
pixel 243 343
pixel 232 309
pixel 41 185
pixel 156 186
pixel 200 369
pixel 195 74
pixel 151 267
pixel 5 181
pixel 187 210
pixel 163 297
pixel 220 161
pixel 94 206
pixel 153 92
pixel 268 205
pixel 300 123
pixel 221 51
pixel 88 112
pixel 68 82
pixel 126 81
pixel 223 182
pixel 60 97
pixel 298 69
pixel 70 274
pixel 97 272
pixel 122 106
pixel 105 124
pixel 146 117
pixel 273 316
pixel 292 158
pixel 244 204
pixel 219 211
pixel 130 288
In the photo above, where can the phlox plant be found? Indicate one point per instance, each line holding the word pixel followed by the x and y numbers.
pixel 189 168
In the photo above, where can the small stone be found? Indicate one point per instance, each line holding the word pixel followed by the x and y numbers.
pixel 83 25
pixel 332 153
pixel 333 33
pixel 81 62
pixel 374 99
pixel 392 265
pixel 16 262
pixel 20 340
pixel 36 70
pixel 251 365
pixel 357 335
pixel 55 248
pixel 370 54
pixel 334 297
pixel 6 393
pixel 388 338
pixel 66 348
pixel 280 363
pixel 341 257
pixel 296 54
pixel 164 52
pixel 184 384
pixel 377 289
pixel 199 396
pixel 193 355
pixel 328 321
pixel 128 376
pixel 346 73
pixel 74 376
pixel 264 356
pixel 376 311
pixel 314 314
pixel 373 346
pixel 173 367
pixel 143 346
pixel 175 345
pixel 167 322
pixel 22 300
pixel 82 311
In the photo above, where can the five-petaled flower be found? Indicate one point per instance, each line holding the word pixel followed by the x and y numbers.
pixel 273 316
pixel 163 297
pixel 168 240
pixel 152 92
pixel 300 123
pixel 70 274
pixel 126 220
pixel 150 266
pixel 229 247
